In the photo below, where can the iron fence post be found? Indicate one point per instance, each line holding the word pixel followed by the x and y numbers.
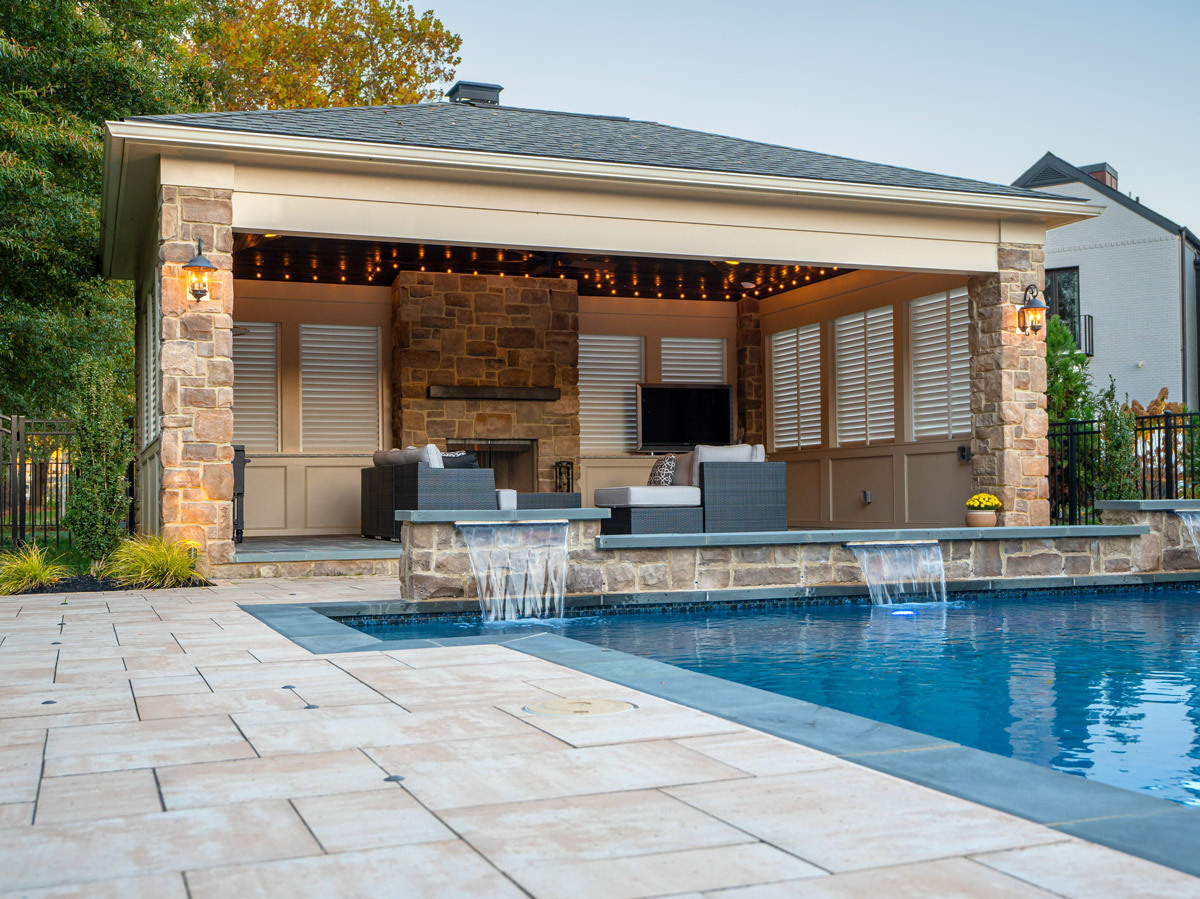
pixel 1168 456
pixel 1073 471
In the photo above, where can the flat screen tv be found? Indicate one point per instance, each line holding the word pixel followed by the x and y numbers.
pixel 676 417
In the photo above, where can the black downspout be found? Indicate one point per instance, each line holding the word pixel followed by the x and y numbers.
pixel 1196 290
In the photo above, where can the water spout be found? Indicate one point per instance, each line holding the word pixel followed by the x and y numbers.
pixel 902 572
pixel 1191 524
pixel 520 567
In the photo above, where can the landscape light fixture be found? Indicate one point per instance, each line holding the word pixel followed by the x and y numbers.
pixel 1032 314
pixel 198 272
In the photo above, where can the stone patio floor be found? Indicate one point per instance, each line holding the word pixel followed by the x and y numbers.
pixel 168 744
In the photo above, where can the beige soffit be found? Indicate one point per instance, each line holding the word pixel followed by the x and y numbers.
pixel 230 145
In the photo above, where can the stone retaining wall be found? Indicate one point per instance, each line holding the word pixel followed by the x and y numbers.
pixel 436 564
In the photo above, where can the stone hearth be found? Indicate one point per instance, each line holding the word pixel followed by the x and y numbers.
pixel 455 330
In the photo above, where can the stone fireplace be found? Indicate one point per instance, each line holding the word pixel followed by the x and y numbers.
pixel 488 361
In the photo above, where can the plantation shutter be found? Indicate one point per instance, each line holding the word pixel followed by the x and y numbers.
pixel 339 388
pixel 796 388
pixel 864 377
pixel 697 360
pixel 256 386
pixel 610 368
pixel 941 365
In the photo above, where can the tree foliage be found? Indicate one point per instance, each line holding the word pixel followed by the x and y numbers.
pixel 1068 382
pixel 97 506
pixel 288 54
pixel 66 67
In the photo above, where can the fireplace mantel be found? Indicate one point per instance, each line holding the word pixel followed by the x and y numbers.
pixel 445 392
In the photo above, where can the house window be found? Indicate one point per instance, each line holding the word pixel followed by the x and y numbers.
pixel 796 388
pixel 864 377
pixel 697 360
pixel 339 388
pixel 940 365
pixel 1062 295
pixel 610 368
pixel 256 385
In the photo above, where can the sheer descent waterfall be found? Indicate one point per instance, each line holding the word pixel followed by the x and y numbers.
pixel 1191 524
pixel 902 572
pixel 520 567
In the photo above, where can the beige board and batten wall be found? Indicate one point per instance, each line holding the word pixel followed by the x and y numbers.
pixel 652 320
pixel 911 482
pixel 291 491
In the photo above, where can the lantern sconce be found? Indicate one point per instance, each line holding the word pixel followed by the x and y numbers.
pixel 1032 314
pixel 198 272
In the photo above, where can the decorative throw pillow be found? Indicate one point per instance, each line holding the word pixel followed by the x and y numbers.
pixel 663 471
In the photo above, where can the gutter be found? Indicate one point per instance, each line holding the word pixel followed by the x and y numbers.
pixel 514 164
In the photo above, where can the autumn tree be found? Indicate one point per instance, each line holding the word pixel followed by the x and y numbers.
pixel 66 67
pixel 298 54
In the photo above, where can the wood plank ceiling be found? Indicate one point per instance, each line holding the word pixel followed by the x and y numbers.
pixel 337 261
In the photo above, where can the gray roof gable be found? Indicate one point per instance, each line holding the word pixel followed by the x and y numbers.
pixel 535 132
pixel 1051 170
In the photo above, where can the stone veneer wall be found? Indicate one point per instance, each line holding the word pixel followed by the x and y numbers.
pixel 485 330
pixel 437 564
pixel 751 374
pixel 197 372
pixel 1008 391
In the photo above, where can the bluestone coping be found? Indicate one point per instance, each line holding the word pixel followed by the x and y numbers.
pixel 454 516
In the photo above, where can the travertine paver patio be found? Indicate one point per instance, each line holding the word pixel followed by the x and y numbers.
pixel 166 744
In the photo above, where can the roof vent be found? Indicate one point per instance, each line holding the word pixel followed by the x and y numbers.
pixel 1102 172
pixel 475 92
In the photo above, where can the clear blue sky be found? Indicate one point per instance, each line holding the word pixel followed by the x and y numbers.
pixel 963 88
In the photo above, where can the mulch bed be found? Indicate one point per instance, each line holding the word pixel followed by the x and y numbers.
pixel 88 583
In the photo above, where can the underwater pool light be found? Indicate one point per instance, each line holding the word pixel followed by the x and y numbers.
pixel 904 612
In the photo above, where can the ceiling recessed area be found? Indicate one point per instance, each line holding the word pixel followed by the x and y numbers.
pixel 338 261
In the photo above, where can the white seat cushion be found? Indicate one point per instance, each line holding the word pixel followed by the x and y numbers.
pixel 506 499
pixel 608 497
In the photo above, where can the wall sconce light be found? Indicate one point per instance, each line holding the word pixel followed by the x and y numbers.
pixel 1032 314
pixel 198 272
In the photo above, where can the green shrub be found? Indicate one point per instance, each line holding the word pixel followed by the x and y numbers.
pixel 152 562
pixel 27 568
pixel 1117 477
pixel 97 506
pixel 1068 383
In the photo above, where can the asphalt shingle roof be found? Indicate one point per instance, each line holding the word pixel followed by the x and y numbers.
pixel 535 132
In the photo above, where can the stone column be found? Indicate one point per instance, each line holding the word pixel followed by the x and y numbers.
pixel 1008 391
pixel 750 384
pixel 197 372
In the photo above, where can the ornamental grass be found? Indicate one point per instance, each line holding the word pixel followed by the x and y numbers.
pixel 28 568
pixel 151 562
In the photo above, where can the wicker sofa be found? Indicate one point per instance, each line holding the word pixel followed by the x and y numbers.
pixel 715 490
pixel 416 478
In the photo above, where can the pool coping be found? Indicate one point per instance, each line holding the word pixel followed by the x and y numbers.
pixel 1157 830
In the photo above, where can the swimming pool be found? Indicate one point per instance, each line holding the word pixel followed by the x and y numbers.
pixel 1105 686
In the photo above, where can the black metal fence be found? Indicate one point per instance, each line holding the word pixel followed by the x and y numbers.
pixel 1167 448
pixel 36 479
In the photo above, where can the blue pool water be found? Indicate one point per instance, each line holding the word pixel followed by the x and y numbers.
pixel 1102 686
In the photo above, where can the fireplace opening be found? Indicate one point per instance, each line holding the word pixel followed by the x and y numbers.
pixel 514 462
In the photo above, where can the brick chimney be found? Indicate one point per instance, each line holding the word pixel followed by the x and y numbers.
pixel 1102 172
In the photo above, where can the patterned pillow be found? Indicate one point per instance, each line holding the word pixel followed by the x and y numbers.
pixel 663 471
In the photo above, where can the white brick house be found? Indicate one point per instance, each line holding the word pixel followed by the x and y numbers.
pixel 1136 280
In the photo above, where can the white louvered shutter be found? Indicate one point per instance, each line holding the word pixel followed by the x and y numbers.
pixel 339 388
pixel 696 360
pixel 796 388
pixel 256 386
pixel 940 363
pixel 610 368
pixel 864 377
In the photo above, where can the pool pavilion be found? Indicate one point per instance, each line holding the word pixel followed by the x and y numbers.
pixel 483 276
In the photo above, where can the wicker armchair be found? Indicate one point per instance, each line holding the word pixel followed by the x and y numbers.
pixel 744 496
pixel 387 489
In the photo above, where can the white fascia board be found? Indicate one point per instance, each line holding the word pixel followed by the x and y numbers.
pixel 167 135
